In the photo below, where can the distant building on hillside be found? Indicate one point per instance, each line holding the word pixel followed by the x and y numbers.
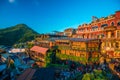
pixel 58 33
pixel 69 32
pixel 17 50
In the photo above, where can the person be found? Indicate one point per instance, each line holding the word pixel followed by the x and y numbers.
pixel 2 59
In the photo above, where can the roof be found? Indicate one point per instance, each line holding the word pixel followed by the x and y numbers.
pixel 69 29
pixel 39 49
pixel 17 50
pixel 76 39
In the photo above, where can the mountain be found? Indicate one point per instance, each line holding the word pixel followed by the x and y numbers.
pixel 15 34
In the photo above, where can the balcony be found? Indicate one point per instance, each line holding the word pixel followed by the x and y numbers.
pixel 117 49
pixel 89 31
pixel 110 39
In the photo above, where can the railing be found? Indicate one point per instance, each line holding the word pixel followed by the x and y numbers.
pixel 88 31
pixel 109 39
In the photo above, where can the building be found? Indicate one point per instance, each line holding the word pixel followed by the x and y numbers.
pixel 17 50
pixel 81 48
pixel 39 53
pixel 45 43
pixel 95 29
pixel 47 40
pixel 110 47
pixel 108 30
pixel 69 32
pixel 100 37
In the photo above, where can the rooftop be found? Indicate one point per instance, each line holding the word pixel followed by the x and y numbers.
pixel 75 39
pixel 39 49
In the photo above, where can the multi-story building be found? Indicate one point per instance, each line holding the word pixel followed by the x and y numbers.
pixel 96 29
pixel 108 30
pixel 39 53
pixel 82 48
pixel 47 40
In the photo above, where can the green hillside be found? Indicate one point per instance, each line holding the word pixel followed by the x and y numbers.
pixel 16 34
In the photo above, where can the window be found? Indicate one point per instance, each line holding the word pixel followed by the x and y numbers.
pixel 94 28
pixel 117 45
pixel 101 36
pixel 104 25
pixel 118 34
pixel 71 54
pixel 112 34
pixel 118 24
pixel 112 24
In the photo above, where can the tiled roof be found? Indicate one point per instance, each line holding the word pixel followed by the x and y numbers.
pixel 75 39
pixel 39 49
pixel 70 39
pixel 81 39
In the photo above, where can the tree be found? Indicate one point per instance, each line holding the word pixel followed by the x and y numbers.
pixel 48 59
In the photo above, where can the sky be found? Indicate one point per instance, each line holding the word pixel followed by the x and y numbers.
pixel 45 16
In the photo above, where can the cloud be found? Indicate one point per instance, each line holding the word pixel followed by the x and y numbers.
pixel 11 1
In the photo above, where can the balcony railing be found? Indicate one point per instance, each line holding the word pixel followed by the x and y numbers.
pixel 109 39
pixel 88 31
